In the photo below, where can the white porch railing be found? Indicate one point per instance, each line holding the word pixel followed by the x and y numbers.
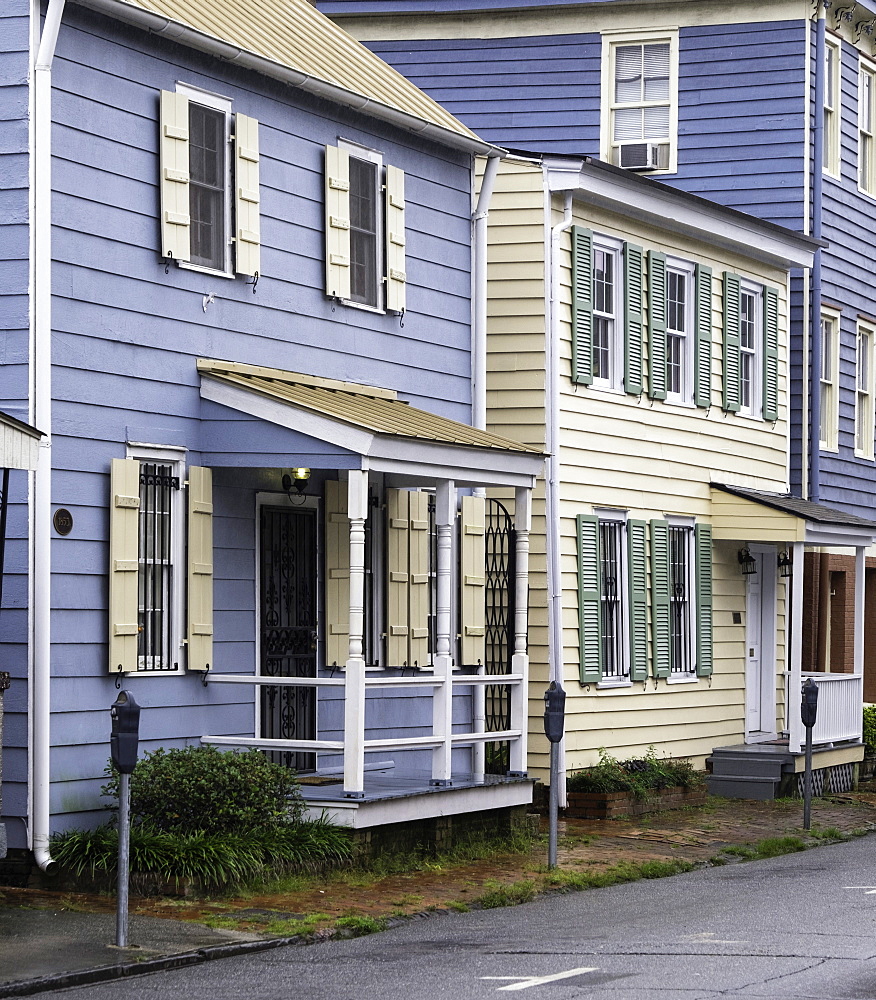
pixel 840 698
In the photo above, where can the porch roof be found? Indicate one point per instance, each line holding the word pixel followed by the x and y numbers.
pixel 388 434
pixel 19 443
pixel 743 514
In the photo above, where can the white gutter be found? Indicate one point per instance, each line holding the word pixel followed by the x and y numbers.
pixel 553 537
pixel 195 39
pixel 479 311
pixel 41 406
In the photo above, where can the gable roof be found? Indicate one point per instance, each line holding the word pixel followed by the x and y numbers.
pixel 290 40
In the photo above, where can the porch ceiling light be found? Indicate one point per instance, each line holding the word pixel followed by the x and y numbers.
pixel 786 564
pixel 297 481
pixel 747 562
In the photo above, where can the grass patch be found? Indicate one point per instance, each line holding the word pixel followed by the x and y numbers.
pixel 828 833
pixel 292 928
pixel 626 871
pixel 458 906
pixel 360 926
pixel 512 894
pixel 774 847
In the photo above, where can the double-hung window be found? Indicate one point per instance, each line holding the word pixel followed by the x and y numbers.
pixel 365 228
pixel 681 601
pixel 607 358
pixel 209 182
pixel 829 381
pixel 640 100
pixel 161 564
pixel 751 348
pixel 612 592
pixel 832 112
pixel 749 355
pixel 864 417
pixel 679 332
pixel 866 109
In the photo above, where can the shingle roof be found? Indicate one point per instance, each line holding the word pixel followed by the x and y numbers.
pixel 815 512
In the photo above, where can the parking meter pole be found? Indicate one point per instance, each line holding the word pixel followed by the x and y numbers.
pixel 808 716
pixel 554 723
pixel 124 860
pixel 807 782
pixel 554 805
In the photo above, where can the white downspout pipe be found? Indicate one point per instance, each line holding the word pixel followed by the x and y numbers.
pixel 553 537
pixel 41 405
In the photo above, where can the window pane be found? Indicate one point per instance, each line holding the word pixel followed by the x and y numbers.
pixel 611 590
pixel 603 281
pixel 363 231
pixel 829 63
pixel 602 347
pixel 207 172
pixel 155 578
pixel 628 74
pixel 827 350
pixel 628 124
pixel 679 600
pixel 657 72
pixel 656 123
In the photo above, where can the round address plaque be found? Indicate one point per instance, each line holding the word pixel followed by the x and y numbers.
pixel 63 521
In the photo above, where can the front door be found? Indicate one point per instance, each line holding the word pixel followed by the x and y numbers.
pixel 760 648
pixel 288 627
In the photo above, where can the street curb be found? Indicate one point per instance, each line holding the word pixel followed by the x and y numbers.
pixel 108 973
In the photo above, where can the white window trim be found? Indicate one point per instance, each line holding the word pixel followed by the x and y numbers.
pixel 830 442
pixel 224 104
pixel 867 452
pixel 755 410
pixel 610 40
pixel 865 66
pixel 174 455
pixel 619 517
pixel 358 151
pixel 617 347
pixel 832 165
pixel 685 397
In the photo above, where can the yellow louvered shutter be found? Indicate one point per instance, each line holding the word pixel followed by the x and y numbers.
pixel 474 583
pixel 396 279
pixel 418 594
pixel 200 569
pixel 174 182
pixel 124 564
pixel 337 223
pixel 246 195
pixel 337 571
pixel 397 576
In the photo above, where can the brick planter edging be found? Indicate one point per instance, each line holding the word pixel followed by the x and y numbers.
pixel 611 805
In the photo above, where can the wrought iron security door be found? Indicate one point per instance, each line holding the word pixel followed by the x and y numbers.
pixel 500 552
pixel 289 627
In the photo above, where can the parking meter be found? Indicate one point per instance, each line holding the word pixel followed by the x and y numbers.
pixel 125 713
pixel 554 712
pixel 809 705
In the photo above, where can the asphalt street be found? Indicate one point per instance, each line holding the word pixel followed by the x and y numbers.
pixel 800 926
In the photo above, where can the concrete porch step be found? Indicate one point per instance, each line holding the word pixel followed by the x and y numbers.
pixel 741 787
pixel 749 765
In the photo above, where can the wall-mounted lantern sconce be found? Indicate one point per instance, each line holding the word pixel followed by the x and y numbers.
pixel 786 564
pixel 747 562
pixel 297 482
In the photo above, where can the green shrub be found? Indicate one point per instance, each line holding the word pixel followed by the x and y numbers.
pixel 869 736
pixel 640 777
pixel 201 788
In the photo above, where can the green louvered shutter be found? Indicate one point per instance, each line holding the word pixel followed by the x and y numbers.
pixel 703 537
pixel 703 336
pixel 582 305
pixel 731 342
pixel 589 601
pixel 656 325
pixel 637 545
pixel 660 598
pixel 770 354
pixel 633 344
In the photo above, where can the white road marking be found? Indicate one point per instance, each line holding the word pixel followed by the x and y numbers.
pixel 870 889
pixel 524 982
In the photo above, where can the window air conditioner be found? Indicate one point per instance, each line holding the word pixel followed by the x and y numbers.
pixel 640 156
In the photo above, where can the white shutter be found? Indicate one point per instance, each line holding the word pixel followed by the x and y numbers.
pixel 418 513
pixel 337 224
pixel 337 568
pixel 246 195
pixel 473 560
pixel 124 568
pixel 395 240
pixel 397 576
pixel 200 569
pixel 174 181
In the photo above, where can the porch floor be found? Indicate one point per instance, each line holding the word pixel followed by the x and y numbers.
pixel 397 798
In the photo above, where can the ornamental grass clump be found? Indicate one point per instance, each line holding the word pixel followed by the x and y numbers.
pixel 223 819
pixel 869 735
pixel 640 777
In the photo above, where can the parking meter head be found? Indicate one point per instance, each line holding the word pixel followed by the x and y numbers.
pixel 809 704
pixel 125 735
pixel 554 712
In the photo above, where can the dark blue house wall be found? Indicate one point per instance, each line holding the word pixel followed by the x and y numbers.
pixel 127 336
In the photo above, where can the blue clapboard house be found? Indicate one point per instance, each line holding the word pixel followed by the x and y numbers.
pixel 236 299
pixel 768 108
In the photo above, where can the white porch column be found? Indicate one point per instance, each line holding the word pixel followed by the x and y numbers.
pixel 860 577
pixel 520 657
pixel 795 679
pixel 354 687
pixel 442 702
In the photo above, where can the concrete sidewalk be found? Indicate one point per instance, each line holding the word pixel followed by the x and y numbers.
pixel 53 939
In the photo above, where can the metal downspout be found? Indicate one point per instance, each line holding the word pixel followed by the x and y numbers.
pixel 41 394
pixel 815 314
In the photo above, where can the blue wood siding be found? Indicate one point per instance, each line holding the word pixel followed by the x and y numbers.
pixel 127 337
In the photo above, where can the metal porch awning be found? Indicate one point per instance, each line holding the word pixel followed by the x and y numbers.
pixel 742 514
pixel 385 433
